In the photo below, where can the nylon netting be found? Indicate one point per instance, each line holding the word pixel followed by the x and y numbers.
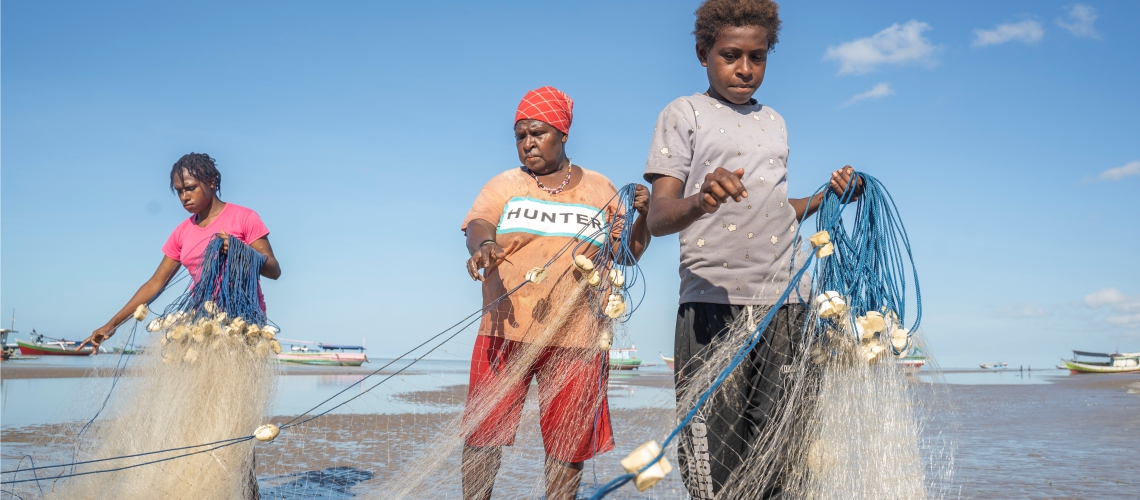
pixel 816 410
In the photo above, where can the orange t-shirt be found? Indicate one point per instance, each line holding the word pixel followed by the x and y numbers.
pixel 534 226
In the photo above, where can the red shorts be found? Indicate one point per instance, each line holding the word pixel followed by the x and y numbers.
pixel 574 413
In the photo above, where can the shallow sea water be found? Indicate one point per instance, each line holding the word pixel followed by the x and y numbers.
pixel 1041 434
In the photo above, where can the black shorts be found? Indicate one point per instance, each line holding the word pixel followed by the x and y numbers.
pixel 722 432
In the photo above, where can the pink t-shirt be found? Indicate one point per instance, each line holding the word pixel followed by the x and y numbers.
pixel 188 241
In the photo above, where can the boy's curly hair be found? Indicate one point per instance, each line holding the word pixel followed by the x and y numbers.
pixel 715 15
pixel 199 166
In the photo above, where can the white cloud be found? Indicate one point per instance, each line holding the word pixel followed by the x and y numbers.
pixel 1026 310
pixel 898 44
pixel 1127 170
pixel 1126 320
pixel 1126 308
pixel 1081 19
pixel 1027 32
pixel 881 90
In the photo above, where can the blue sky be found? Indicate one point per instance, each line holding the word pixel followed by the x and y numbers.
pixel 361 132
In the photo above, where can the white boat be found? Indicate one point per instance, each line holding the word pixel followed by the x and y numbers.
pixel 915 359
pixel 1128 362
pixel 994 366
pixel 624 358
pixel 328 355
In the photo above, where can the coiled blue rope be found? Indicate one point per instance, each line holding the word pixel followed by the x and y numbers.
pixel 616 253
pixel 872 262
pixel 229 280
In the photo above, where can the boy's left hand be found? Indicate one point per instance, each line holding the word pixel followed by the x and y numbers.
pixel 841 178
pixel 641 199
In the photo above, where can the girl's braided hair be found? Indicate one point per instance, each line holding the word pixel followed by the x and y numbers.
pixel 199 166
pixel 715 15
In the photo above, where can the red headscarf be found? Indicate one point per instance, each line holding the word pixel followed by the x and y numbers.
pixel 547 104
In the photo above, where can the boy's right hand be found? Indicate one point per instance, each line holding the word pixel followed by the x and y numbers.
pixel 487 257
pixel 718 187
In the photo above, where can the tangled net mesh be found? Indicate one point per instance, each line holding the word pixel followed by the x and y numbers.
pixel 836 424
pixel 207 383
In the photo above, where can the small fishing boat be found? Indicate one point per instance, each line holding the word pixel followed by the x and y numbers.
pixel 994 366
pixel 914 359
pixel 668 361
pixel 1128 362
pixel 324 354
pixel 624 358
pixel 59 347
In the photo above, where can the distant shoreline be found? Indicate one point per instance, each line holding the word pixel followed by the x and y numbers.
pixel 12 371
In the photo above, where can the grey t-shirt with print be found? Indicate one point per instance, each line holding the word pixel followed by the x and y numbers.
pixel 741 254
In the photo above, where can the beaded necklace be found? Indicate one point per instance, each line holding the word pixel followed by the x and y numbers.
pixel 559 189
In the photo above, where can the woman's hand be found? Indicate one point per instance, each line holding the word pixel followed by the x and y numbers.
pixel 641 199
pixel 487 257
pixel 97 337
pixel 841 178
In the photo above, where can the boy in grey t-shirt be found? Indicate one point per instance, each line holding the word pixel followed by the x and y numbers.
pixel 718 166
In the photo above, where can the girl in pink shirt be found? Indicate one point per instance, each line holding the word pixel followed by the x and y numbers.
pixel 196 181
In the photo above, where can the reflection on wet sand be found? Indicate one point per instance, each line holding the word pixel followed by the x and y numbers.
pixel 1016 435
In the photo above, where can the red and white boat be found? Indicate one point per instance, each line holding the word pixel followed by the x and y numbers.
pixel 54 348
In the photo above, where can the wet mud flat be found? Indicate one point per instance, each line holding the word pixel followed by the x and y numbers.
pixel 371 453
pixel 1074 437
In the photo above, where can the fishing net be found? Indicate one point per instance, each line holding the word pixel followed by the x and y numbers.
pixel 199 389
pixel 805 399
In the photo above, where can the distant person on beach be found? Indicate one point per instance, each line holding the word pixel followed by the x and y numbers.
pixel 718 168
pixel 196 181
pixel 520 220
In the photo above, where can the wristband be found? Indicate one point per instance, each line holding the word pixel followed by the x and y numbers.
pixel 486 242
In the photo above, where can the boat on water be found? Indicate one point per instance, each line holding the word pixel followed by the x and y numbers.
pixel 1128 362
pixel 994 366
pixel 624 358
pixel 57 347
pixel 668 361
pixel 914 359
pixel 323 354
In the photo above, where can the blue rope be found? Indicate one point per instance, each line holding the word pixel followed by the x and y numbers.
pixel 867 266
pixel 615 253
pixel 229 280
pixel 737 358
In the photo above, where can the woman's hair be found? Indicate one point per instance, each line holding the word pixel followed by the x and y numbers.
pixel 715 15
pixel 199 166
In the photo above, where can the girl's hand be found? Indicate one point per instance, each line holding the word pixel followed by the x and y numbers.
pixel 641 199
pixel 841 178
pixel 97 337
pixel 489 255
pixel 225 242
